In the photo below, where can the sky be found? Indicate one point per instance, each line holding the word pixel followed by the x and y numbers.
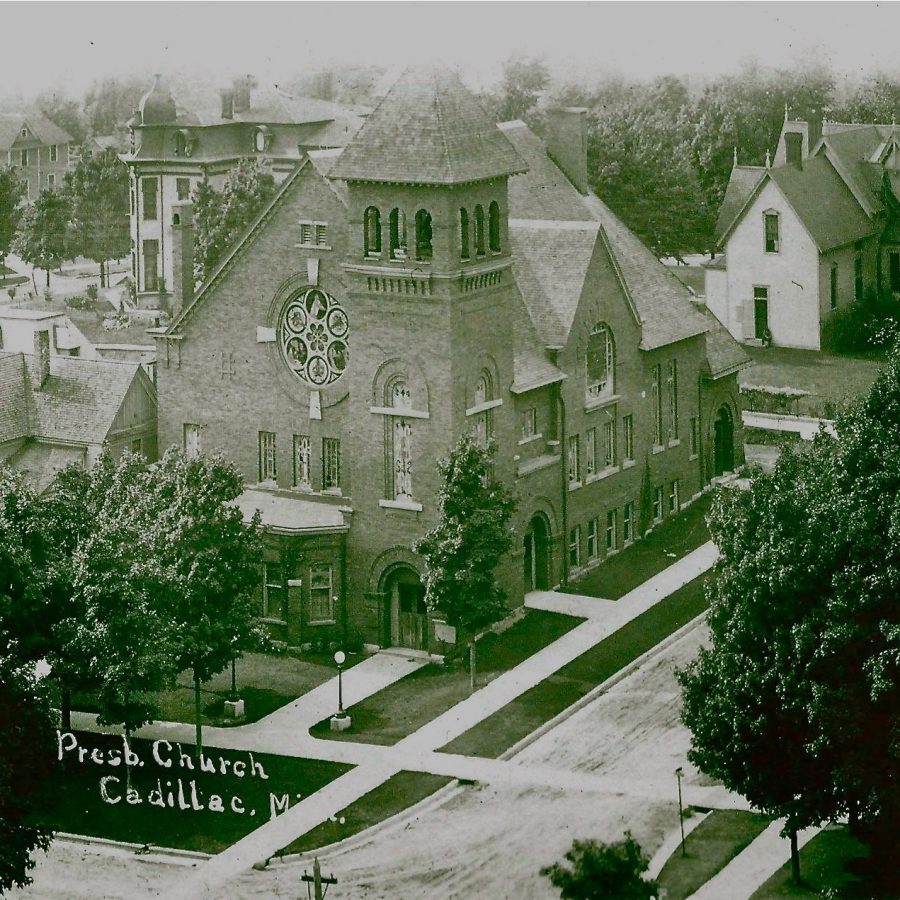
pixel 71 44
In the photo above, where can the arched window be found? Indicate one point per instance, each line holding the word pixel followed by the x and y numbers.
pixel 494 227
pixel 601 362
pixel 479 230
pixel 484 421
pixel 463 234
pixel 400 398
pixel 372 228
pixel 423 235
pixel 397 224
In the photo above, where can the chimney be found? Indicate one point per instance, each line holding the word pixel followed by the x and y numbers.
pixel 566 140
pixel 815 132
pixel 242 88
pixel 793 148
pixel 182 255
pixel 227 104
pixel 42 356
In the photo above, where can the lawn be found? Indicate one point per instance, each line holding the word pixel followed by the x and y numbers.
pixel 519 718
pixel 398 793
pixel 710 847
pixel 75 803
pixel 631 567
pixel 265 682
pixel 823 864
pixel 830 380
pixel 405 706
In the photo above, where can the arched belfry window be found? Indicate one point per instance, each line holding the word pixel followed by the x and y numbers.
pixel 397 224
pixel 601 361
pixel 400 439
pixel 479 230
pixel 372 228
pixel 424 249
pixel 494 226
pixel 463 233
pixel 484 421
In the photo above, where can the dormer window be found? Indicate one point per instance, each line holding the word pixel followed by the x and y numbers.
pixel 183 141
pixel 262 139
pixel 771 225
pixel 23 133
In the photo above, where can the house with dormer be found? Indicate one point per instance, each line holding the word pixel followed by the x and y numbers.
pixel 462 279
pixel 808 234
pixel 37 149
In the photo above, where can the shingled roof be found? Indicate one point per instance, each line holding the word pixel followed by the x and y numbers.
pixel 428 129
pixel 41 127
pixel 741 184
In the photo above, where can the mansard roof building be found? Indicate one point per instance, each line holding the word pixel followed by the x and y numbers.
pixel 440 275
pixel 807 234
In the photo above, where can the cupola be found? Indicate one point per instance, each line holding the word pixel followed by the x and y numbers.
pixel 157 106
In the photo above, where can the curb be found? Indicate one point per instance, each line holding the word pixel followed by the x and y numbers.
pixel 153 854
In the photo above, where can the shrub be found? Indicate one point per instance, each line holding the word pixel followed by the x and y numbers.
pixel 92 292
pixel 871 322
pixel 80 301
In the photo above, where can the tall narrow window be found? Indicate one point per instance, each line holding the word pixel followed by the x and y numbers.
pixel 628 436
pixel 479 230
pixel 611 530
pixel 24 157
pixel 529 422
pixel 494 226
pixel 274 594
pixel 773 238
pixel 372 231
pixel 424 250
pixel 321 594
pixel 401 442
pixel 695 436
pixel 590 451
pixel 267 471
pixel 463 234
pixel 593 528
pixel 656 396
pixel 302 462
pixel 628 522
pixel 331 463
pixel 858 276
pixel 54 153
pixel 672 389
pixel 600 362
pixel 574 459
pixel 51 180
pixel 149 187
pixel 609 444
pixel 191 440
pixel 657 504
pixel 575 546
pixel 833 286
pixel 484 420
pixel 183 188
pixel 398 233
pixel 674 497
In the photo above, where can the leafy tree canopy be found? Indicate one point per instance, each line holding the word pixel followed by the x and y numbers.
pixel 472 535
pixel 602 871
pixel 12 190
pixel 43 237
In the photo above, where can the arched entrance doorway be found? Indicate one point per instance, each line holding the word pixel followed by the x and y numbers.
pixel 537 554
pixel 406 612
pixel 724 441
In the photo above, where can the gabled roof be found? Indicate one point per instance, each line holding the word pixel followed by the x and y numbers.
pixel 531 367
pixel 39 462
pixel 428 129
pixel 741 184
pixel 41 127
pixel 552 280
pixel 723 353
pixel 13 399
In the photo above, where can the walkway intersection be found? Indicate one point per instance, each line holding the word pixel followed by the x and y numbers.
pixel 286 731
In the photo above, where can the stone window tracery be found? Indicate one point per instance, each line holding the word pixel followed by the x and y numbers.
pixel 313 332
pixel 600 362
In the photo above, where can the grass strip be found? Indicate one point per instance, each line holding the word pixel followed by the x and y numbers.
pixel 74 799
pixel 643 559
pixel 718 839
pixel 519 718
pixel 405 706
pixel 399 792
pixel 825 864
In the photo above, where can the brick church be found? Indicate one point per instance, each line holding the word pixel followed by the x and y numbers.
pixel 442 274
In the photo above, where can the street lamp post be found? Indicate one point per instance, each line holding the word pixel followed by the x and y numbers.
pixel 340 721
pixel 679 773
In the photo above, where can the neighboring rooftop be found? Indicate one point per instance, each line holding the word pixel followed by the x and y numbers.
pixel 741 185
pixel 41 127
pixel 289 513
pixel 428 129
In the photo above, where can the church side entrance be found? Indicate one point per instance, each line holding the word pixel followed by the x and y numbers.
pixel 407 613
pixel 537 555
pixel 724 441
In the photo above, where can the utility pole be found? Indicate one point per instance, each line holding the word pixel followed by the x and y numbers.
pixel 317 880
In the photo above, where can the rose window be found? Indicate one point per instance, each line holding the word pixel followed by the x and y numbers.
pixel 312 333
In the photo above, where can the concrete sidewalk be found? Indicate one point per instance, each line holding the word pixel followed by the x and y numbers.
pixel 568 604
pixel 754 865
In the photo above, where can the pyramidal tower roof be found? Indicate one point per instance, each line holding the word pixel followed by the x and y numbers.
pixel 428 129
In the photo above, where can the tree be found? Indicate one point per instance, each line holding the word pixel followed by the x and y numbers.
pixel 603 871
pixel 27 762
pixel 110 102
pixel 523 81
pixel 206 561
pixel 64 112
pixel 472 535
pixel 12 190
pixel 98 193
pixel 221 216
pixel 42 239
